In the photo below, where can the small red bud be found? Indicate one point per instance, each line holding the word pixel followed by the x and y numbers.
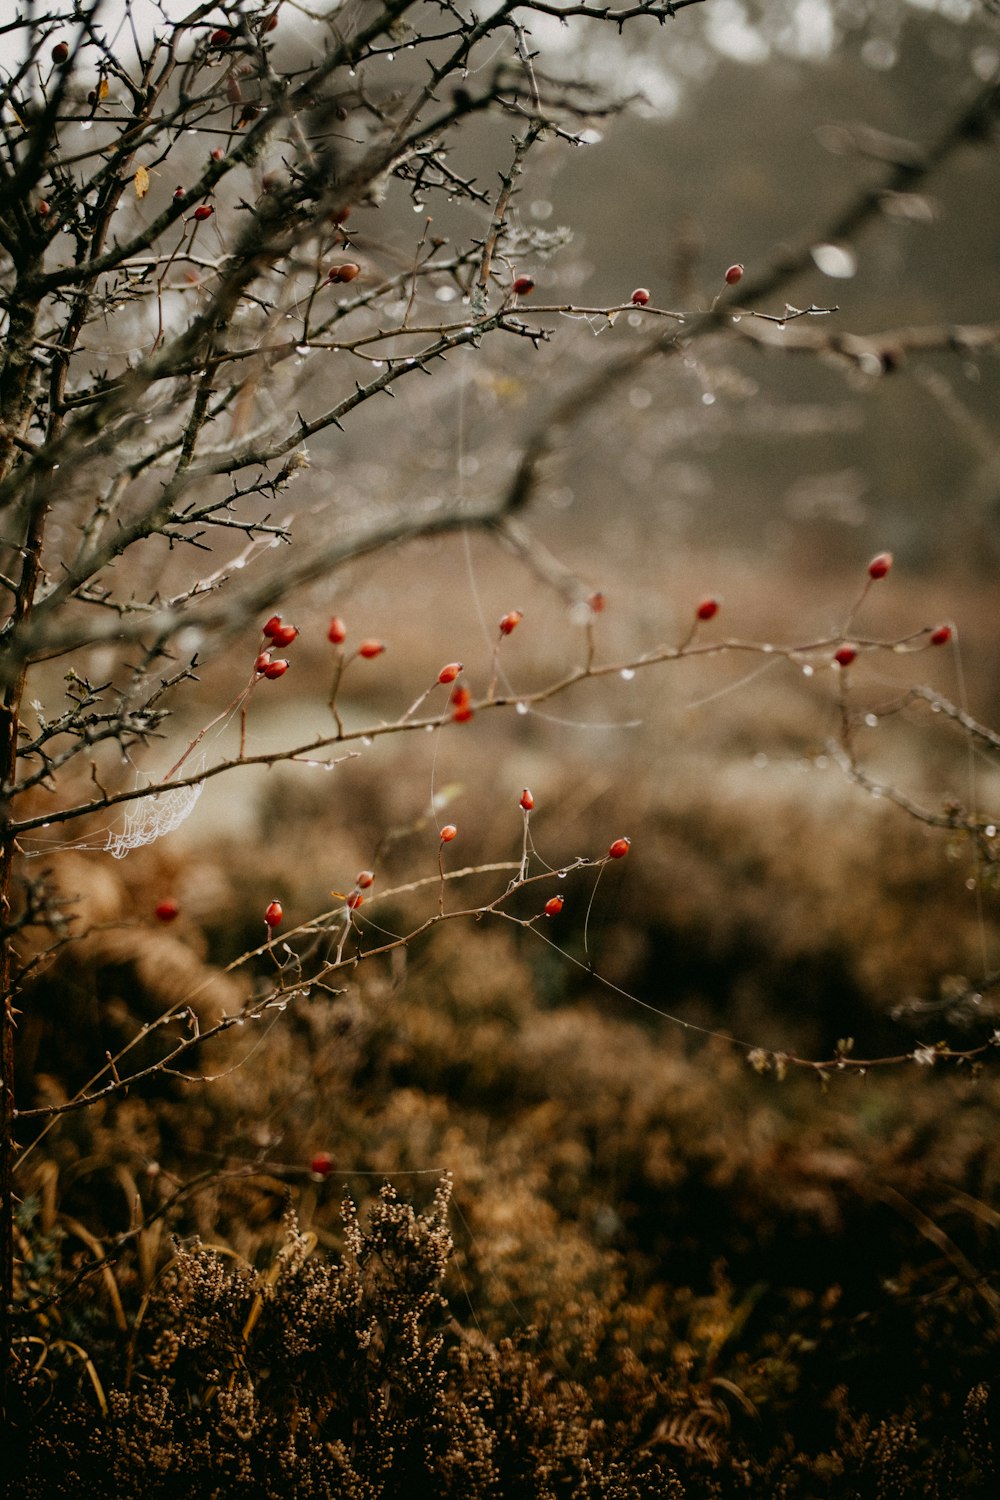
pixel 640 296
pixel 262 663
pixel 166 910
pixel 273 914
pixel 60 52
pixel 527 801
pixel 370 649
pixel 448 832
pixel 734 274
pixel 364 880
pixel 510 621
pixel 203 211
pixel 554 905
pixel 275 669
pixel 450 672
pixel 707 609
pixel 880 565
pixel 321 1164
pixel 598 603
pixel 523 285
pixel 845 654
pixel 284 635
pixel 337 633
pixel 941 635
pixel 619 848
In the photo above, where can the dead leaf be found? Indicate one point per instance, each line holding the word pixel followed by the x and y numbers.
pixel 141 181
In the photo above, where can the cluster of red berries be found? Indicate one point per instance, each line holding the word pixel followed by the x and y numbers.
pixel 279 635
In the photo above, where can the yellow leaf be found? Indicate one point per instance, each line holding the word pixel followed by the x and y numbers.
pixel 141 181
pixel 102 89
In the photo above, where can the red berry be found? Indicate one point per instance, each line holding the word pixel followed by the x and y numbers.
pixel 364 880
pixel 284 635
pixel 510 621
pixel 221 38
pixel 448 832
pixel 554 906
pixel 941 635
pixel 344 272
pixel 354 900
pixel 166 910
pixel 43 208
pixel 527 800
pixel 217 153
pixel 450 672
pixel 273 914
pixel 272 626
pixel 640 296
pixel 370 649
pixel 203 211
pixel 276 669
pixel 270 22
pixel 462 713
pixel 880 565
pixel 60 52
pixel 523 285
pixel 460 696
pixel 845 654
pixel 734 274
pixel 262 663
pixel 619 848
pixel 337 632
pixel 598 603
pixel 321 1164
pixel 707 609
pixel 179 192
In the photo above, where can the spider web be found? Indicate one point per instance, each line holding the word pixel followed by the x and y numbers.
pixel 150 818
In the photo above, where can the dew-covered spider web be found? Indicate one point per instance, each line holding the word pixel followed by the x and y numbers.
pixel 150 818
